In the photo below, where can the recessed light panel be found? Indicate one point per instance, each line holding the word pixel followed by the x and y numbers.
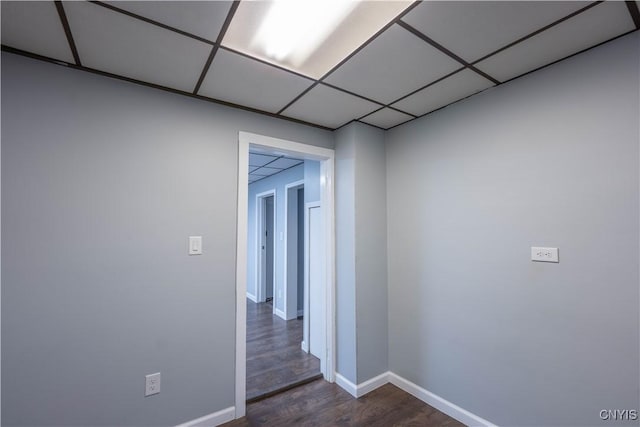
pixel 279 31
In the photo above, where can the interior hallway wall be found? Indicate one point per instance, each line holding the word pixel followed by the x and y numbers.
pixel 361 253
pixel 278 183
pixel 550 159
pixel 102 183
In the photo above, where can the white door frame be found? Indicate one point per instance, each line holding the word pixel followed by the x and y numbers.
pixel 326 157
pixel 287 297
pixel 306 325
pixel 261 262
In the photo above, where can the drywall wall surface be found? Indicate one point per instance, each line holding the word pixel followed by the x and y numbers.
pixel 550 159
pixel 346 363
pixel 370 251
pixel 275 182
pixel 361 253
pixel 102 183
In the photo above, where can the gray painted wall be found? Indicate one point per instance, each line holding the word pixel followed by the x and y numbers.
pixel 361 253
pixel 102 183
pixel 278 183
pixel 345 254
pixel 371 252
pixel 312 181
pixel 550 159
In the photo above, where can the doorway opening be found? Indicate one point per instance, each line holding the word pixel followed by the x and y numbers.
pixel 265 245
pixel 303 279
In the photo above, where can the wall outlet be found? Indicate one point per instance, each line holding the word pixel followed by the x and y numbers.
pixel 544 254
pixel 152 384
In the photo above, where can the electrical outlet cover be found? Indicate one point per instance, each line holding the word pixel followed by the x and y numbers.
pixel 152 384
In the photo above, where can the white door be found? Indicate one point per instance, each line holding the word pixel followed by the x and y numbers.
pixel 315 280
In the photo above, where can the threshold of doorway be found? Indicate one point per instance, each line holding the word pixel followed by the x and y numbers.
pixel 284 388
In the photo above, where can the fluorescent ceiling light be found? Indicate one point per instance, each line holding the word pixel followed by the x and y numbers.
pixel 293 29
pixel 307 36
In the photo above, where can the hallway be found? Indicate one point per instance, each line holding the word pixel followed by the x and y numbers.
pixel 275 359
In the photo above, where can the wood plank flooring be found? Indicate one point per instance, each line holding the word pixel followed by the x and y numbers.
pixel 320 403
pixel 274 357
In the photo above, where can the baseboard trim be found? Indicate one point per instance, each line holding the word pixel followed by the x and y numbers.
pixel 347 385
pixel 212 420
pixel 252 297
pixel 300 313
pixel 438 402
pixel 281 314
pixel 362 388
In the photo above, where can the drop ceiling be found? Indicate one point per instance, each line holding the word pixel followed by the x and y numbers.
pixel 429 55
pixel 263 165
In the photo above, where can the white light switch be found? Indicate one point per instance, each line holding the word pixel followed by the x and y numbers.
pixel 544 254
pixel 195 245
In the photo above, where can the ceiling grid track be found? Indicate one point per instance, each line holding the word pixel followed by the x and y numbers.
pixel 635 13
pixel 150 21
pixel 445 51
pixel 67 32
pixel 214 49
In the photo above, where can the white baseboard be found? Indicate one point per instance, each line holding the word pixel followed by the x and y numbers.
pixel 212 420
pixel 300 313
pixel 362 388
pixel 281 314
pixel 304 347
pixel 347 385
pixel 252 297
pixel 438 402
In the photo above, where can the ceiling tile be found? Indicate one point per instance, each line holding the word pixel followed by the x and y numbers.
pixel 238 79
pixel 284 163
pixel 329 107
pixel 116 43
pixel 35 27
pixel 391 66
pixel 596 25
pixel 451 89
pixel 386 118
pixel 260 159
pixel 201 18
pixel 473 29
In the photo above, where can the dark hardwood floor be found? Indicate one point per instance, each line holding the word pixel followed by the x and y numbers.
pixel 275 359
pixel 320 403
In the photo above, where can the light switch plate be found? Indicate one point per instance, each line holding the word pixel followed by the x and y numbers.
pixel 152 384
pixel 195 245
pixel 544 254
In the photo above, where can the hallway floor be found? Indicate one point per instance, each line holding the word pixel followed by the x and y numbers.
pixel 320 403
pixel 275 359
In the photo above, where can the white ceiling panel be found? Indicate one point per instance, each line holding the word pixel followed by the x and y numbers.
pixel 329 107
pixel 391 66
pixel 598 24
pixel 200 18
pixel 386 118
pixel 116 43
pixel 451 89
pixel 35 27
pixel 247 82
pixel 473 29
pixel 260 159
pixel 285 163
